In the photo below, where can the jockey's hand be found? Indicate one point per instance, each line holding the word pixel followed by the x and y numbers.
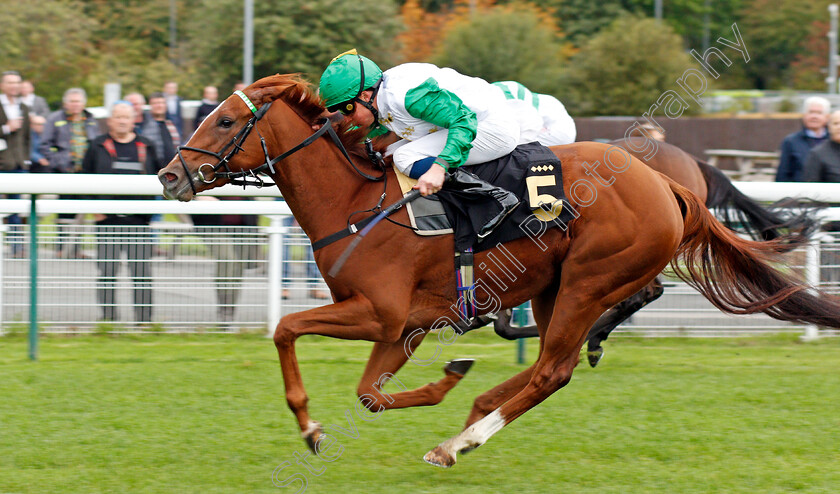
pixel 431 181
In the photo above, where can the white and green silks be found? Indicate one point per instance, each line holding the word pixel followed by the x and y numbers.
pixel 558 126
pixel 459 119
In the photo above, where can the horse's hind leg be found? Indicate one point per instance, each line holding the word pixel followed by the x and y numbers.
pixel 588 287
pixel 542 307
pixel 386 359
pixel 617 315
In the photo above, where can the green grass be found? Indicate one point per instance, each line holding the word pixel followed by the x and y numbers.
pixel 206 414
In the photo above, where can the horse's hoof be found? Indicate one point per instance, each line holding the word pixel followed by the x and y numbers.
pixel 459 366
pixel 439 458
pixel 595 356
pixel 312 435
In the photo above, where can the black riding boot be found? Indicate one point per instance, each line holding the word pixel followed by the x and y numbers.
pixel 465 182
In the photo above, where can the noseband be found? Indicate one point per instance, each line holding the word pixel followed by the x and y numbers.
pixel 252 176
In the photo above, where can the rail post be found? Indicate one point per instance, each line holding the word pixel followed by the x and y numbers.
pixel 812 276
pixel 275 272
pixel 2 261
pixel 33 277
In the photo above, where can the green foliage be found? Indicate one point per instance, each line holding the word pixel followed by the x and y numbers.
pixel 580 19
pixel 505 45
pixel 290 36
pixel 776 33
pixel 32 43
pixel 625 68
pixel 688 17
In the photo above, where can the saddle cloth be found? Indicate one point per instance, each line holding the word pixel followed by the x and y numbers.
pixel 531 171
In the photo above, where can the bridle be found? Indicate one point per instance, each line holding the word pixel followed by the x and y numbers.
pixel 251 177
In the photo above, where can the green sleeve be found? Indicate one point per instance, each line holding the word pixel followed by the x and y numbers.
pixel 438 106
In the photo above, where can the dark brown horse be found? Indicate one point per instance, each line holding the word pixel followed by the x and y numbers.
pixel 396 284
pixel 792 225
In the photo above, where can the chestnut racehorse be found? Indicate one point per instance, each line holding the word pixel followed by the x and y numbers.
pixel 396 282
pixel 793 225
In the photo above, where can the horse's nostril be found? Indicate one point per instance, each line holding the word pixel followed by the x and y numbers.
pixel 170 177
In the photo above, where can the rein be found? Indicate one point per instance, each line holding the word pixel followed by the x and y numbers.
pixel 242 177
pixel 235 145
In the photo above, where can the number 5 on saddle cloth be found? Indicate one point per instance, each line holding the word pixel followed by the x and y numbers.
pixel 532 172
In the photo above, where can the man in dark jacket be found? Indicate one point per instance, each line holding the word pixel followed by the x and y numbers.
pixel 121 151
pixel 796 146
pixel 14 125
pixel 823 165
pixel 173 106
pixel 209 102
pixel 68 133
pixel 161 131
pixel 66 137
pixel 15 144
pixel 823 162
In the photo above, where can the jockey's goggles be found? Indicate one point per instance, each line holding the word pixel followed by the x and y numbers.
pixel 346 108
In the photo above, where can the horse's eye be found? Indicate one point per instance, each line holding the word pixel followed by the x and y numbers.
pixel 226 123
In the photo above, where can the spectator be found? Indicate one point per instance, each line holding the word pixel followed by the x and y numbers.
pixel 226 237
pixel 36 129
pixel 300 253
pixel 67 136
pixel 122 151
pixel 823 165
pixel 160 130
pixel 141 117
pixel 795 147
pixel 239 86
pixel 209 102
pixel 37 105
pixel 15 144
pixel 67 133
pixel 823 162
pixel 173 106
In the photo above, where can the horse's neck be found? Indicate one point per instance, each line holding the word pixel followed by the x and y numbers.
pixel 322 189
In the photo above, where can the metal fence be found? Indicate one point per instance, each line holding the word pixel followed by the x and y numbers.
pixel 173 276
pixel 164 277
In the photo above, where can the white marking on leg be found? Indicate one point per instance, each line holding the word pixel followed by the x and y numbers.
pixel 475 435
pixel 311 427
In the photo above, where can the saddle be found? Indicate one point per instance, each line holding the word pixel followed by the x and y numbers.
pixel 532 172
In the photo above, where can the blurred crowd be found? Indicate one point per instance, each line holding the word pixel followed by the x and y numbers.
pixel 140 136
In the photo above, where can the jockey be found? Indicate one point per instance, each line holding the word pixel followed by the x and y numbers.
pixel 558 127
pixel 445 120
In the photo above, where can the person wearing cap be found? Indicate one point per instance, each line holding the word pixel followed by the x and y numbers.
pixel 558 128
pixel 444 119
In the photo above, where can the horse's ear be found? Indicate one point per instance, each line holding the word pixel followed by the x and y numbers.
pixel 290 86
pixel 267 94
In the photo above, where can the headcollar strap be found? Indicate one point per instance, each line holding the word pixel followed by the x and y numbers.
pixel 246 100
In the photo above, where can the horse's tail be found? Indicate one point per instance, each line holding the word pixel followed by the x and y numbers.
pixel 738 275
pixel 794 225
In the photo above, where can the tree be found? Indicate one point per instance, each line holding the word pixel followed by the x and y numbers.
pixel 517 42
pixel 625 68
pixel 49 43
pixel 290 36
pixel 775 32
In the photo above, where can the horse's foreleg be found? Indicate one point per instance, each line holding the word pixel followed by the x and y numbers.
pixel 386 359
pixel 352 319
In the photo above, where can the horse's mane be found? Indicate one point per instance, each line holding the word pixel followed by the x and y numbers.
pixel 299 94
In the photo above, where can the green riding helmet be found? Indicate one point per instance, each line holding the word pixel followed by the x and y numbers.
pixel 341 80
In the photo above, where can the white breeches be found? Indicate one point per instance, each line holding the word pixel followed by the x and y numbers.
pixel 558 127
pixel 496 135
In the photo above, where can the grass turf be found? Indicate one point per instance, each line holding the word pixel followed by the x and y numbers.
pixel 207 414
